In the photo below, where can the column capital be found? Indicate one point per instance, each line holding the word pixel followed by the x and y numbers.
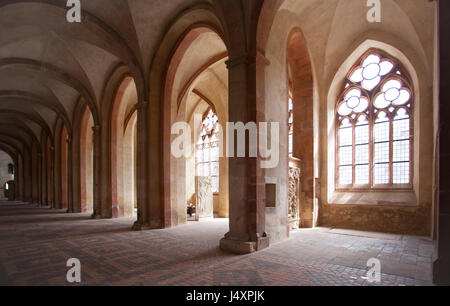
pixel 247 58
pixel 69 140
pixel 237 61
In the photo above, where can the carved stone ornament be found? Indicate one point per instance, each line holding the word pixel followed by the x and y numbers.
pixel 294 198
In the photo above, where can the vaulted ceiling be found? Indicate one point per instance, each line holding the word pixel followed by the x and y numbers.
pixel 47 65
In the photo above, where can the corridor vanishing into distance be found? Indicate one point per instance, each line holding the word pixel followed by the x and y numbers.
pixel 36 243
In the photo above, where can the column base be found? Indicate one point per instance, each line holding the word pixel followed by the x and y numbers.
pixel 237 247
pixel 96 217
pixel 244 247
pixel 137 226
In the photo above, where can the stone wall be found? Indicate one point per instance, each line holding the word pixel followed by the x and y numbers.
pixel 334 47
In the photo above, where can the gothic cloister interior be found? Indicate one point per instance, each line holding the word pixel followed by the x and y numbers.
pixel 115 142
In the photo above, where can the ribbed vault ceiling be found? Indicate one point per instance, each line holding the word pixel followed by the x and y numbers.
pixel 48 65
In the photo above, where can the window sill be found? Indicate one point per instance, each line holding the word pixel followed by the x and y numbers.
pixel 374 198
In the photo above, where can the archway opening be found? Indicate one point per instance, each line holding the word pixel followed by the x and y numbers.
pixel 6 175
pixel 196 94
pixel 123 150
pixel 301 133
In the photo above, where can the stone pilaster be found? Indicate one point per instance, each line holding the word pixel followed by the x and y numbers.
pixel 97 206
pixel 69 176
pixel 39 178
pixel 43 163
pixel 52 177
pixel 143 222
pixel 34 174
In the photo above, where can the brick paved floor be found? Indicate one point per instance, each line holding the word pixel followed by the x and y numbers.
pixel 35 244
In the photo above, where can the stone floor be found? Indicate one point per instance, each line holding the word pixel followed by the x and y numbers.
pixel 35 244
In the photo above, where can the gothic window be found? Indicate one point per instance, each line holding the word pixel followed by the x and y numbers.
pixel 207 153
pixel 291 125
pixel 374 132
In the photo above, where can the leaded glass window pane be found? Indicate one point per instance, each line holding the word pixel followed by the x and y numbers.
pixel 207 155
pixel 374 125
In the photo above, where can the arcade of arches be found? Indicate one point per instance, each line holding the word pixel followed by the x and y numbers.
pixel 87 113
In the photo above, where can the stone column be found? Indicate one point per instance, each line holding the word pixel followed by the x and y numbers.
pixel 97 172
pixel 34 174
pixel 69 176
pixel 28 176
pixel 52 177
pixel 247 199
pixel 44 174
pixel 17 180
pixel 441 269
pixel 143 222
pixel 39 179
pixel 22 172
pixel 57 176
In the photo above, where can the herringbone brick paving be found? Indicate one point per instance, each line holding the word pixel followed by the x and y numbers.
pixel 35 244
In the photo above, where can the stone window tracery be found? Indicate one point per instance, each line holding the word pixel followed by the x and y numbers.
pixel 374 131
pixel 291 124
pixel 207 153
